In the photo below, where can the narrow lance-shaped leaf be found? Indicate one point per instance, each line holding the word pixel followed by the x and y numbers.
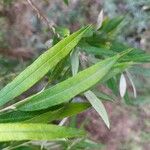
pixel 74 62
pixel 17 116
pixel 40 67
pixel 103 96
pixel 96 50
pixel 20 132
pixel 122 85
pixel 118 68
pixel 138 58
pixel 67 111
pixel 100 19
pixel 98 106
pixel 132 83
pixel 111 24
pixel 69 88
pixel 45 116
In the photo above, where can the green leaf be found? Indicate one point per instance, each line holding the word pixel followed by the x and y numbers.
pixel 127 99
pixel 26 147
pixel 21 131
pixel 103 96
pixel 118 47
pixel 117 68
pixel 69 88
pixel 113 85
pixel 96 50
pixel 66 2
pixel 74 62
pixel 40 67
pixel 58 70
pixel 44 116
pixel 98 106
pixel 16 116
pixel 110 24
pixel 63 32
pixel 138 57
pixel 66 111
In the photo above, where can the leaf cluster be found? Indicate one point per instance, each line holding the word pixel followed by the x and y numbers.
pixel 32 118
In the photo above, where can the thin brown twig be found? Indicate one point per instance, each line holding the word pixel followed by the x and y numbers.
pixel 41 15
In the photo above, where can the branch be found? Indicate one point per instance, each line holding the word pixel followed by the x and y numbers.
pixel 41 15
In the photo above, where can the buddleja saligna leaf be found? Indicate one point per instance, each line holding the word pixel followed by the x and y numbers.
pixel 103 96
pixel 116 69
pixel 96 50
pixel 98 106
pixel 110 24
pixel 45 116
pixel 16 116
pixel 69 88
pixel 100 19
pixel 122 85
pixel 40 67
pixel 74 62
pixel 22 131
pixel 66 111
pixel 138 58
